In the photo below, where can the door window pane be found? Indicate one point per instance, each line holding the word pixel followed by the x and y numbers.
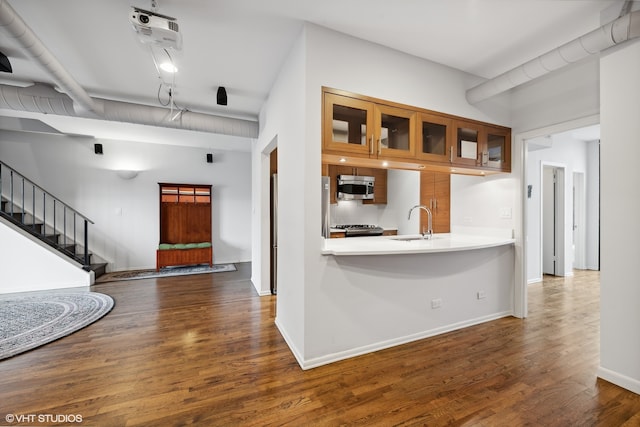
pixel 434 138
pixel 395 132
pixel 495 145
pixel 349 125
pixel 467 143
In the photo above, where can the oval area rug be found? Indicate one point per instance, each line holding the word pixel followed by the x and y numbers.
pixel 31 319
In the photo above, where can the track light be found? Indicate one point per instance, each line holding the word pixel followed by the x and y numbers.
pixel 222 96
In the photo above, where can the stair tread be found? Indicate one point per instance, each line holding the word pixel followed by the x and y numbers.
pixel 67 249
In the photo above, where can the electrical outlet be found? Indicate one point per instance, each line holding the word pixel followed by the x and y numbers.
pixel 436 303
pixel 481 295
pixel 506 213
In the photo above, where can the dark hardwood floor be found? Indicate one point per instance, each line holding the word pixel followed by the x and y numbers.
pixel 203 350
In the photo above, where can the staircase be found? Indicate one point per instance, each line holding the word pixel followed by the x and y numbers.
pixel 46 217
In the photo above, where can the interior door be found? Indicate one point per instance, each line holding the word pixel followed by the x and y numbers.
pixel 273 220
pixel 549 220
pixel 579 229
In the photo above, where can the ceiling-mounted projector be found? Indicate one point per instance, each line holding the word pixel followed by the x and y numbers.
pixel 155 29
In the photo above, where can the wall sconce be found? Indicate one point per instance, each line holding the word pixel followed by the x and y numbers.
pixel 127 174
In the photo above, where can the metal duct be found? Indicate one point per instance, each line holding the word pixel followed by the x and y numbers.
pixel 42 98
pixel 36 49
pixel 156 116
pixel 39 98
pixel 622 29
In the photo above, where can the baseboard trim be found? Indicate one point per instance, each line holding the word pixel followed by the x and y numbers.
pixel 289 342
pixel 347 354
pixel 618 379
pixel 536 280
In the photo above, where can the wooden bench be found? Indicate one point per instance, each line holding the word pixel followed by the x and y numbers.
pixel 187 256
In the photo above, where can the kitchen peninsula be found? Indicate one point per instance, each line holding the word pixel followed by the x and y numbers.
pixel 374 292
pixel 388 291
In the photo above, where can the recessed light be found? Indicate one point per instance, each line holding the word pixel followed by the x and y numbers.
pixel 385 164
pixel 168 67
pixel 342 160
pixel 420 166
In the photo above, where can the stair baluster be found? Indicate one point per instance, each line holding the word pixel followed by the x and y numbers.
pixel 14 207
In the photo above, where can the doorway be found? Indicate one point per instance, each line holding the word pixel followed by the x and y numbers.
pixel 273 220
pixel 552 220
pixel 573 147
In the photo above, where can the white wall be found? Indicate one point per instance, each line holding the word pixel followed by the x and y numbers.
pixel 592 183
pixel 573 155
pixel 29 265
pixel 483 203
pixel 326 58
pixel 283 120
pixel 403 192
pixel 566 94
pixel 620 175
pixel 126 212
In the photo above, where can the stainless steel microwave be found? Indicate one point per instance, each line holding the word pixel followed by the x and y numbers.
pixel 352 187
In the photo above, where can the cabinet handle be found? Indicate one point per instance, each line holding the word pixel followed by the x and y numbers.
pixel 430 203
pixel 485 157
pixel 450 154
pixel 379 146
pixel 371 145
pixel 435 204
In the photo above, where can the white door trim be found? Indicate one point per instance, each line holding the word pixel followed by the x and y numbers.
pixel 519 170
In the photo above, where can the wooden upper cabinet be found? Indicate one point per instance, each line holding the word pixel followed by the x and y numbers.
pixel 370 131
pixel 483 146
pixel 434 138
pixel 395 134
pixel 468 143
pixel 497 150
pixel 348 124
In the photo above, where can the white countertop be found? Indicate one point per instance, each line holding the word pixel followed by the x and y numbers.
pixel 389 245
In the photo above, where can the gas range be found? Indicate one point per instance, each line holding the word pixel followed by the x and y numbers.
pixel 355 230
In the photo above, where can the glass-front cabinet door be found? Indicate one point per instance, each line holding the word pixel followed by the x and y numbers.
pixel 348 124
pixel 497 154
pixel 434 138
pixel 395 132
pixel 468 144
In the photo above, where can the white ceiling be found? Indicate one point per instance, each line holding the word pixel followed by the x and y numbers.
pixel 240 44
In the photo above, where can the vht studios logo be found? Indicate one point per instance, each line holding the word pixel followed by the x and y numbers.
pixel 43 418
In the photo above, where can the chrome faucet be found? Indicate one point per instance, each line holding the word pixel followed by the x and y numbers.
pixel 429 232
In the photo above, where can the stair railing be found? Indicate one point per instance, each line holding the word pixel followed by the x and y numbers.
pixel 42 214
